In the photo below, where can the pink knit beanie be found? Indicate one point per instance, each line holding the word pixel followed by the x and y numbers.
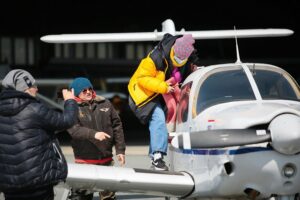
pixel 183 46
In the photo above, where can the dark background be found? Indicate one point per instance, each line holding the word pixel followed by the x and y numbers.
pixel 38 18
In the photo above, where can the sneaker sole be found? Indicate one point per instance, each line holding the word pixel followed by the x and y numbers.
pixel 158 169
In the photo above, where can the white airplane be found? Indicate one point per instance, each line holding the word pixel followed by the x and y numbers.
pixel 237 130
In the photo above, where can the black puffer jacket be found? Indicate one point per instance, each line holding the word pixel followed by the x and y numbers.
pixel 30 156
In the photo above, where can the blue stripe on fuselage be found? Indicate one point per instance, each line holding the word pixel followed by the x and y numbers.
pixel 222 151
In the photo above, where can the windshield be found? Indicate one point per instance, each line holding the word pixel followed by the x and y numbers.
pixel 275 84
pixel 224 85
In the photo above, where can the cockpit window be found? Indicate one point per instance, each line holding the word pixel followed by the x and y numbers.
pixel 224 86
pixel 275 85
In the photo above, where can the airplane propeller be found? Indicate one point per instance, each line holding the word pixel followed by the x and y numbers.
pixel 224 138
pixel 283 134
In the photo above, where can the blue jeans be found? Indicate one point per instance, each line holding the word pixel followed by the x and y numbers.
pixel 158 131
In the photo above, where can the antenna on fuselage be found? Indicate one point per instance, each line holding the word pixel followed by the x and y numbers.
pixel 238 60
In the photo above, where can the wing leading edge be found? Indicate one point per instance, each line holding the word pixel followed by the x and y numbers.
pixel 160 183
pixel 168 27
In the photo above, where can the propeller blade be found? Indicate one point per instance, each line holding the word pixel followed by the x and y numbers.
pixel 225 138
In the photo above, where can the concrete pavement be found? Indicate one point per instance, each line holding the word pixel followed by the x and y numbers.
pixel 130 150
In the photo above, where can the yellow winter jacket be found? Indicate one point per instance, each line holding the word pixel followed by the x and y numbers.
pixel 147 82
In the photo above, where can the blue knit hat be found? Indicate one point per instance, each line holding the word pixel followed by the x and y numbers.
pixel 79 84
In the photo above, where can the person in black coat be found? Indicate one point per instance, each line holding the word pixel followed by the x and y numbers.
pixel 31 161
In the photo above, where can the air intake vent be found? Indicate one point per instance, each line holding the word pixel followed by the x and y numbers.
pixel 228 168
pixel 251 193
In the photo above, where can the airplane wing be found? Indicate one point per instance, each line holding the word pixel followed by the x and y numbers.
pixel 167 27
pixel 98 178
pixel 102 37
pixel 156 36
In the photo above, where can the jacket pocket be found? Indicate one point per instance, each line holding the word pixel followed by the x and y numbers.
pixel 142 113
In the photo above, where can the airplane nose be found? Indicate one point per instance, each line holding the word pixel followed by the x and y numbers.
pixel 285 133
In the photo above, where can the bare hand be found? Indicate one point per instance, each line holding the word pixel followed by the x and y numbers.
pixel 176 85
pixel 170 89
pixel 170 81
pixel 67 94
pixel 194 67
pixel 121 159
pixel 101 136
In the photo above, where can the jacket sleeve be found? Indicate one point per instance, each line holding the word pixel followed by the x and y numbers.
pixel 55 120
pixel 150 78
pixel 80 132
pixel 118 133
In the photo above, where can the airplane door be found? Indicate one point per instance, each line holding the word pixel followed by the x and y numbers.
pixel 183 108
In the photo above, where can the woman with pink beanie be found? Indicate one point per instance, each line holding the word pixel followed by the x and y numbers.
pixel 183 48
pixel 159 74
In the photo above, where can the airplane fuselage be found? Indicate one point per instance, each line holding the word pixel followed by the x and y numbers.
pixel 236 171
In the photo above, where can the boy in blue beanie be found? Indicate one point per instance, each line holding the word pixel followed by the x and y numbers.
pixel 79 84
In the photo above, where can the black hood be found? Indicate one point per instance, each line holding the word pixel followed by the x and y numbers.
pixel 13 101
